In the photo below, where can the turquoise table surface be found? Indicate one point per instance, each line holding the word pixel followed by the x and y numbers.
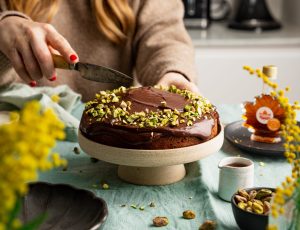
pixel 197 191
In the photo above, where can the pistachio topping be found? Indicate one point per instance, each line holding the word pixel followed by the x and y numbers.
pixel 110 105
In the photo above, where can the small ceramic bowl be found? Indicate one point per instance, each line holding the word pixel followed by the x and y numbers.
pixel 248 220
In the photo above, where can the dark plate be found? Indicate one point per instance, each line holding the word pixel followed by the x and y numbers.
pixel 66 207
pixel 240 137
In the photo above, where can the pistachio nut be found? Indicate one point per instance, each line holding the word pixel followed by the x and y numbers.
pixel 267 207
pixel 252 194
pixel 208 225
pixel 242 205
pixel 240 199
pixel 268 198
pixel 160 221
pixel 258 202
pixel 257 208
pixel 263 193
pixel 249 209
pixel 189 214
pixel 249 203
pixel 243 193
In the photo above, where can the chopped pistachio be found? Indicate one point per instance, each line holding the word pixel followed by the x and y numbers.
pixel 189 123
pixel 101 109
pixel 123 104
pixel 105 186
pixel 142 208
pixel 175 123
pixel 176 112
pixel 152 204
pixel 133 206
pixel 187 108
pixel 167 111
pixel 163 103
pixel 115 99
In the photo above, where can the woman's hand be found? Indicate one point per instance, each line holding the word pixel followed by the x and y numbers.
pixel 27 45
pixel 179 81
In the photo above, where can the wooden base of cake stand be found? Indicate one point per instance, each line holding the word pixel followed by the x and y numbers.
pixel 151 167
pixel 152 175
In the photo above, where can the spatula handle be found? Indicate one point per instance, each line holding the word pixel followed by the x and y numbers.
pixel 59 62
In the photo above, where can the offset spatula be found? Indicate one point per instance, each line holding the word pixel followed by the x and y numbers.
pixel 93 72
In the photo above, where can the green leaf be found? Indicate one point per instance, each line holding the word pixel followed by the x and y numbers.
pixel 14 213
pixel 35 223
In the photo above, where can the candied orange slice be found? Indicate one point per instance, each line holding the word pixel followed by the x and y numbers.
pixel 273 124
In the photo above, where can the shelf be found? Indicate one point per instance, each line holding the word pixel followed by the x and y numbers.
pixel 219 35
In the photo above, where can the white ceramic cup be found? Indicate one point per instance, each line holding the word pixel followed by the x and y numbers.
pixel 235 173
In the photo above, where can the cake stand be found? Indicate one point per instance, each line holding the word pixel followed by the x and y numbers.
pixel 151 167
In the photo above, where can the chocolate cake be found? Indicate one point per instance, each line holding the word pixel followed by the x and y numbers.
pixel 149 118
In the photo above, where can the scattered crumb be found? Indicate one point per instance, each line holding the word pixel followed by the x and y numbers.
pixel 76 150
pixel 65 168
pixel 190 197
pixel 123 205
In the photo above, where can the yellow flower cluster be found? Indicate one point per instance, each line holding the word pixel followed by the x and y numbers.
pixel 291 134
pixel 26 144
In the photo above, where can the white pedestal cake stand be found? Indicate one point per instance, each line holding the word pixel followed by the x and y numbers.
pixel 151 167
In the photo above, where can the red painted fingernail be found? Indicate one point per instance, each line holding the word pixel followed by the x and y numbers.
pixel 73 57
pixel 53 78
pixel 32 84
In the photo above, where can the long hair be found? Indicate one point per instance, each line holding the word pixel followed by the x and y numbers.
pixel 114 18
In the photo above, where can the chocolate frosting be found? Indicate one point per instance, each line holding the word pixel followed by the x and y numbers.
pixel 149 98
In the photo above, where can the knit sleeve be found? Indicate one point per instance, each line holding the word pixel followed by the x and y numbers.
pixel 161 42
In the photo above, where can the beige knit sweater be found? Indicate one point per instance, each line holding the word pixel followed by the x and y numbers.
pixel 159 45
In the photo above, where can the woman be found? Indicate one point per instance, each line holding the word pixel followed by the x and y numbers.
pixel 144 38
